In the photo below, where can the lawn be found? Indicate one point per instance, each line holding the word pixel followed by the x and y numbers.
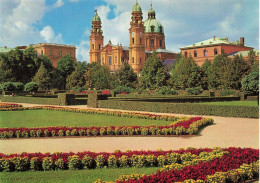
pixel 233 103
pixel 46 118
pixel 77 176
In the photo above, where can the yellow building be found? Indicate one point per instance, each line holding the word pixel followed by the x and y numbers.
pixel 144 37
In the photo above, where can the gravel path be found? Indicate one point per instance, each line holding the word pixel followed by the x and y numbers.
pixel 226 132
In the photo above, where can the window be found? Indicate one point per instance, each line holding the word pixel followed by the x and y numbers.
pixel 102 60
pixel 93 46
pixel 160 43
pixel 215 51
pixel 152 42
pixel 140 40
pixel 99 46
pixel 195 54
pixel 133 59
pixel 51 53
pixel 133 40
pixel 147 40
pixel 116 59
pixel 60 53
pixel 140 60
pixel 42 52
pixel 160 29
pixel 110 61
pixel 186 54
pixel 69 53
pixel 205 53
pixel 152 28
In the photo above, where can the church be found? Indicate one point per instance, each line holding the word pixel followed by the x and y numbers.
pixel 144 38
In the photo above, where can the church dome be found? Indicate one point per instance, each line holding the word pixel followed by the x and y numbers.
pixel 153 25
pixel 96 17
pixel 137 7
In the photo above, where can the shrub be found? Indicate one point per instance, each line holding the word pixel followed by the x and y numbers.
pixel 59 164
pixel 227 93
pixel 123 161
pixel 18 86
pixel 123 89
pixel 94 132
pixel 161 160
pixel 87 162
pixel 6 165
pixel 47 164
pixel 102 131
pixel 35 164
pixel 21 163
pixel 194 91
pixel 151 160
pixel 166 90
pixel 31 87
pixel 32 133
pixel 74 162
pixel 110 131
pixel 144 131
pixel 100 161
pixel 60 133
pixel 82 132
pixel 7 86
pixel 112 161
pixel 250 84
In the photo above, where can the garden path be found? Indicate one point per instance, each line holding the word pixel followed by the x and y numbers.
pixel 226 132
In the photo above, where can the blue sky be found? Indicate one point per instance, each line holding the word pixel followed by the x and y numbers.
pixel 24 22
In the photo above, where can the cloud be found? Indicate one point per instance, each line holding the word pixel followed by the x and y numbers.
pixel 17 21
pixel 49 36
pixel 74 1
pixel 58 4
pixel 83 51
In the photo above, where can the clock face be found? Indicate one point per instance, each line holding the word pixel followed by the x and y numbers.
pixel 133 34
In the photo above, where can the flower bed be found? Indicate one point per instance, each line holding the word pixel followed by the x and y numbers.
pixel 188 127
pixel 9 105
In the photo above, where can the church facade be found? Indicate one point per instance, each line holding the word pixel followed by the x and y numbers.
pixel 144 38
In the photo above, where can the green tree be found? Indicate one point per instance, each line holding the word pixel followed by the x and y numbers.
pixel 205 68
pixel 7 86
pixel 65 67
pixel 153 74
pixel 238 70
pixel 126 76
pixel 250 84
pixel 187 74
pixel 76 79
pixel 42 78
pixel 219 76
pixel 31 87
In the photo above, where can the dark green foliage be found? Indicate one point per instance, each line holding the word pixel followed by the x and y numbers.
pixel 121 89
pixel 165 90
pixel 76 79
pixel 66 66
pixel 18 86
pixel 93 100
pixel 205 73
pixel 7 86
pixel 194 91
pixel 31 87
pixel 153 74
pixel 250 84
pixel 31 100
pixel 43 78
pixel 182 108
pixel 186 74
pixel 227 93
pixel 65 99
pixel 126 76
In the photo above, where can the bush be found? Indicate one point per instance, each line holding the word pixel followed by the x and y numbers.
pixel 35 164
pixel 59 164
pixel 161 160
pixel 194 91
pixel 74 162
pixel 227 93
pixel 18 86
pixel 87 162
pixel 250 84
pixel 31 87
pixel 165 90
pixel 112 161
pixel 7 86
pixel 123 89
pixel 47 164
pixel 123 161
pixel 100 161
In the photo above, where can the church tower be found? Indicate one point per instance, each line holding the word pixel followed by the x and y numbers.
pixel 96 39
pixel 136 40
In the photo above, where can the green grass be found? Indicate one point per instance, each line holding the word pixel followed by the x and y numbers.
pixel 77 176
pixel 45 118
pixel 233 103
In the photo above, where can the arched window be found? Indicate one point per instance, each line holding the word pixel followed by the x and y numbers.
pixel 110 61
pixel 205 53
pixel 152 42
pixel 140 40
pixel 133 39
pixel 152 28
pixel 99 46
pixel 186 54
pixel 160 43
pixel 140 60
pixel 133 59
pixel 215 51
pixel 116 59
pixel 160 29
pixel 195 54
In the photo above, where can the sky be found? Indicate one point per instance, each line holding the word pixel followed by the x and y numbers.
pixel 25 22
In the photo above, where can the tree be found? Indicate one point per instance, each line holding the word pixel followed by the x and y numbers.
pixel 254 63
pixel 205 73
pixel 42 78
pixel 76 79
pixel 7 86
pixel 219 76
pixel 250 84
pixel 18 86
pixel 126 76
pixel 153 74
pixel 187 74
pixel 65 67
pixel 31 87
pixel 238 70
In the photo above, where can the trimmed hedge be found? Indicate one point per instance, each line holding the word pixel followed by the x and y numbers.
pixel 182 108
pixel 31 100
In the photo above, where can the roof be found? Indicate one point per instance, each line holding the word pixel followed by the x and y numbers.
pixel 96 17
pixel 155 23
pixel 160 50
pixel 52 44
pixel 243 53
pixel 136 7
pixel 4 49
pixel 212 41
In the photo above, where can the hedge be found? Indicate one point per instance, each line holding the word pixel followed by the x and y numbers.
pixel 31 100
pixel 182 108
